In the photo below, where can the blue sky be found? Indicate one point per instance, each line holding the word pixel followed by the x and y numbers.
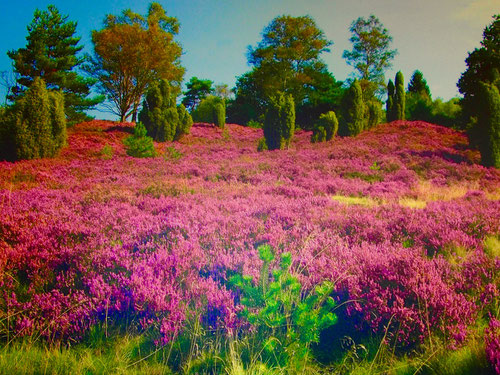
pixel 433 36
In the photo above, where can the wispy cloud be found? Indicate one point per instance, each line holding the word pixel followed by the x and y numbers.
pixel 477 12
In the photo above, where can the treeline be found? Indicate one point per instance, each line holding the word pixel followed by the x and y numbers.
pixel 136 72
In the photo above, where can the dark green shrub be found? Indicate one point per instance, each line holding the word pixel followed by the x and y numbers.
pixel 185 122
pixel 58 119
pixel 389 105
pixel 39 122
pixel 219 115
pixel 488 125
pixel 262 145
pixel 163 119
pixel 211 110
pixel 399 97
pixel 373 113
pixel 7 136
pixel 318 135
pixel 255 124
pixel 140 145
pixel 279 122
pixel 353 111
pixel 329 122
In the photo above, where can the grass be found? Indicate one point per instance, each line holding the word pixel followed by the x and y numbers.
pixel 492 246
pixel 360 201
pixel 117 357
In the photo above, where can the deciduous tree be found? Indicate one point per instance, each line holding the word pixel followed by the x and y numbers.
pixel 288 56
pixel 131 52
pixel 371 55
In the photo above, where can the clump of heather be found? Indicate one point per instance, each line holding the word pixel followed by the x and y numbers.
pixel 397 226
pixel 492 340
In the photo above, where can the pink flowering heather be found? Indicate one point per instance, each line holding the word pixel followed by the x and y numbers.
pixel 492 338
pixel 395 217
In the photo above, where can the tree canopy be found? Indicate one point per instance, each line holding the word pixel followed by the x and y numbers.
pixel 51 53
pixel 197 89
pixel 371 55
pixel 418 85
pixel 288 56
pixel 131 52
pixel 483 65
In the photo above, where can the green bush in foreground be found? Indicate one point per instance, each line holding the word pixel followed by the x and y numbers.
pixel 286 321
pixel 140 145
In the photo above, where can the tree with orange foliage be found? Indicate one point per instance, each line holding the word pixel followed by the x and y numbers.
pixel 131 52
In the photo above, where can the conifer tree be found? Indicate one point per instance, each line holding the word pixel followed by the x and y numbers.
pixel 39 122
pixel 489 124
pixel 279 122
pixel 163 119
pixel 373 113
pixel 389 105
pixel 353 111
pixel 51 53
pixel 399 97
pixel 418 85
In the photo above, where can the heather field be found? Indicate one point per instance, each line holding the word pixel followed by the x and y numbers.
pixel 114 264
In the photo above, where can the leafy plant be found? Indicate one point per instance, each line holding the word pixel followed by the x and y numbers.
pixel 140 145
pixel 279 122
pixel 287 320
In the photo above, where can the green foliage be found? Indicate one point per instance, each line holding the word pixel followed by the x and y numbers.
pixel 197 89
pixel 39 122
pixel 171 153
pixel 286 320
pixel 7 134
pixel 326 127
pixel 58 119
pixel 437 111
pixel 255 124
pixel 287 57
pixel 185 122
pixel 373 114
pixel 219 115
pixel 418 85
pixel 262 145
pixel 140 145
pixel 483 65
pixel 318 135
pixel 51 53
pixel 211 110
pixel 131 52
pixel 399 97
pixel 389 105
pixel 371 54
pixel 107 152
pixel 163 119
pixel 353 111
pixel 279 123
pixel 489 125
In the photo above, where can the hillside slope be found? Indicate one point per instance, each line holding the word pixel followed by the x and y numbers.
pixel 397 217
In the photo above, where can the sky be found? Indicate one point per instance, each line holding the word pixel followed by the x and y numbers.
pixel 433 36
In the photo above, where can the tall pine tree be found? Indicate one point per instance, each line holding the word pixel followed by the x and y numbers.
pixel 51 54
